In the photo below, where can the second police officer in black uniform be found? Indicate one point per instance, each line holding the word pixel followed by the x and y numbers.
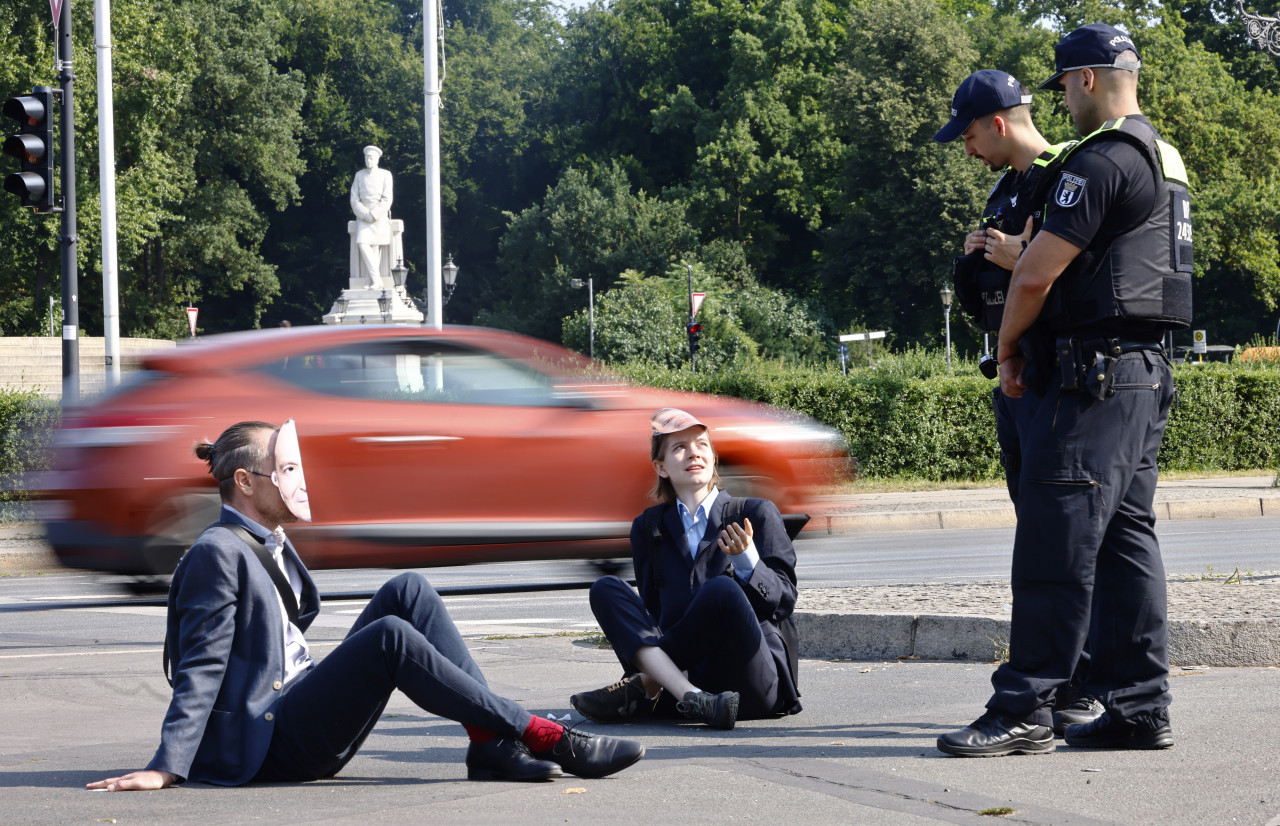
pixel 1109 273
pixel 991 111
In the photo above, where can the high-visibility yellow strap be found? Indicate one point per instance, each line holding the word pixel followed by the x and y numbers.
pixel 1171 162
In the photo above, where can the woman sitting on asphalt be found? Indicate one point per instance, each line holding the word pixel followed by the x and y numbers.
pixel 712 622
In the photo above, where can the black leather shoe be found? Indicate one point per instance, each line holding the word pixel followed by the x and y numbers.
pixel 1082 710
pixel 995 735
pixel 592 755
pixel 1109 733
pixel 504 759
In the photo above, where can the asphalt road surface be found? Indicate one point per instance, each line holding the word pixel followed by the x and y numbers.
pixel 1189 547
pixel 82 698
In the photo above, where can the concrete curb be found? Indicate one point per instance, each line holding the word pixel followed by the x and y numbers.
pixel 834 634
pixel 1004 517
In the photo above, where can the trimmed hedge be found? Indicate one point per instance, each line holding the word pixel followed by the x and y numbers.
pixel 935 426
pixel 942 428
pixel 27 422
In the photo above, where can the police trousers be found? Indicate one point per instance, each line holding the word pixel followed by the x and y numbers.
pixel 1013 418
pixel 1086 543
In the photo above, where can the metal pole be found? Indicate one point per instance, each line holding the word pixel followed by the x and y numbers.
pixel 946 312
pixel 431 162
pixel 70 288
pixel 107 190
pixel 591 310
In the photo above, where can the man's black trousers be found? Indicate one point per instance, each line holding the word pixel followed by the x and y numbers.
pixel 1086 541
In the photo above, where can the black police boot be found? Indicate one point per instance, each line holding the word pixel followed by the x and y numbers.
pixel 1081 710
pixel 1108 732
pixel 995 734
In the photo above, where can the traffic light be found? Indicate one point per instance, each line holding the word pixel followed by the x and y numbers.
pixel 695 330
pixel 33 145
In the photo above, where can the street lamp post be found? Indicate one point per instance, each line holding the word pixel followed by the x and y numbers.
pixel 449 281
pixel 450 273
pixel 384 305
pixel 946 315
pixel 578 284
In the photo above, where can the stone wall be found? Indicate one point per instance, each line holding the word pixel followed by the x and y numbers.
pixel 35 362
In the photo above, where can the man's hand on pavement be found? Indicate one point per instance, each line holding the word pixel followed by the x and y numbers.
pixel 148 780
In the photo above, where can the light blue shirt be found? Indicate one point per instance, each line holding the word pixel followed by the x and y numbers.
pixel 695 528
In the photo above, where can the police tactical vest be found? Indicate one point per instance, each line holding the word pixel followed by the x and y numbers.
pixel 981 286
pixel 1143 275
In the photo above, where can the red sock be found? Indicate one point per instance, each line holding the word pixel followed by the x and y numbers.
pixel 478 735
pixel 542 734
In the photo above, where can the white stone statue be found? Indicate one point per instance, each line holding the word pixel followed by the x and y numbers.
pixel 371 202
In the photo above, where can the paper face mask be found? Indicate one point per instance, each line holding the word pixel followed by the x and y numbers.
pixel 287 475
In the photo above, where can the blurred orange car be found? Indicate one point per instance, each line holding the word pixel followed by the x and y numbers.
pixel 421 447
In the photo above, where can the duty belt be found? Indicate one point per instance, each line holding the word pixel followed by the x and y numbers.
pixel 1089 364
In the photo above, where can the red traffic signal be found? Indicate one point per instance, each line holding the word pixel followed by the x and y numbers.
pixel 33 146
pixel 694 330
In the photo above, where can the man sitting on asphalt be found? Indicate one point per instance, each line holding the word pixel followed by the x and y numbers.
pixel 250 703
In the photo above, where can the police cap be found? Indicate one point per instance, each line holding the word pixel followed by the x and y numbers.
pixel 982 93
pixel 1094 46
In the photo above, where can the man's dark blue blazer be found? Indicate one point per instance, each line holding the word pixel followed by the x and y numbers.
pixel 226 643
pixel 771 589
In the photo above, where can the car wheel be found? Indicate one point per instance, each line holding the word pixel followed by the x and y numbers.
pixel 148 586
pixel 612 567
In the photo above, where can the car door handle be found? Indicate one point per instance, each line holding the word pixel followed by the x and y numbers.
pixel 403 440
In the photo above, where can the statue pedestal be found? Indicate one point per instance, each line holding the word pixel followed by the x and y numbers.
pixel 362 308
pixel 362 292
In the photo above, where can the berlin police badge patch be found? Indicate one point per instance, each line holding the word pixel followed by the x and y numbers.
pixel 1070 189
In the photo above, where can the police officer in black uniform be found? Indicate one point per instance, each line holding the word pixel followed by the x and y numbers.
pixel 991 111
pixel 1108 274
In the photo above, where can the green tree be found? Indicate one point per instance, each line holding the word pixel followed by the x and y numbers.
pixel 906 201
pixel 586 226
pixel 642 320
pixel 29 271
pixel 1229 136
pixel 767 152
